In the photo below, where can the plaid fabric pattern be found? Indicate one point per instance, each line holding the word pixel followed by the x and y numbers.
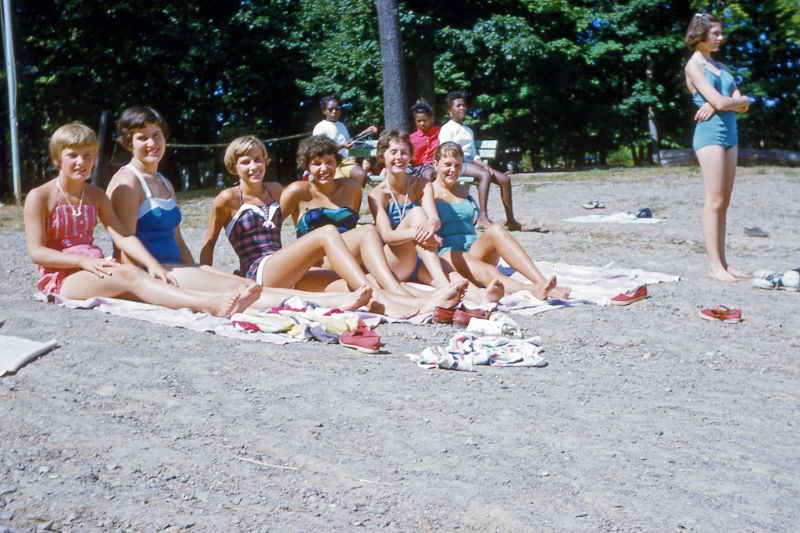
pixel 254 236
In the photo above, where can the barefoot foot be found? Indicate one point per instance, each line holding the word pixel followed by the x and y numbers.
pixel 737 274
pixel 495 290
pixel 721 275
pixel 448 297
pixel 223 305
pixel 358 298
pixel 513 225
pixel 248 297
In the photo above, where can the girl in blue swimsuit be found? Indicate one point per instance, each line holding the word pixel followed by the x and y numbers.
pixel 476 256
pixel 323 201
pixel 145 202
pixel 715 136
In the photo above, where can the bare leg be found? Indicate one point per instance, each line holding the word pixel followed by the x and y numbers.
pixel 485 179
pixel 367 247
pixel 716 198
pixel 504 182
pixel 128 280
pixel 731 158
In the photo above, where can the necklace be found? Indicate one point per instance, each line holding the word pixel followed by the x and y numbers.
pixel 401 210
pixel 75 209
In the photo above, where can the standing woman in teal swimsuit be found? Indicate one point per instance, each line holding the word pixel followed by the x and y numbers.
pixel 715 136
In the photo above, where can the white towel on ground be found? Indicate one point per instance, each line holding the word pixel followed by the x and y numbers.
pixel 621 217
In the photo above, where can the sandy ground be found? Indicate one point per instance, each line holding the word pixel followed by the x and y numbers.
pixel 647 418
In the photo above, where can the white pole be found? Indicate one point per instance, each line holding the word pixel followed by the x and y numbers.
pixel 8 42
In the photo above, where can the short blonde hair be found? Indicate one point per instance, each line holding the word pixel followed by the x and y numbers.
pixel 449 149
pixel 72 134
pixel 239 147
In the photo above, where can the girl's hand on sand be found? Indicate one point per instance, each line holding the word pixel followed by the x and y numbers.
pixel 705 112
pixel 99 267
pixel 158 272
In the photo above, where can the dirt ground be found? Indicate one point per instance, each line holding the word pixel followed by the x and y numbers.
pixel 647 417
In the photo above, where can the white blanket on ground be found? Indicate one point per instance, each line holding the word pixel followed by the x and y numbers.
pixel 621 217
pixel 588 284
pixel 16 352
pixel 180 318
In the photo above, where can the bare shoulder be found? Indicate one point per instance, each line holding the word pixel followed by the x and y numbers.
pixel 123 177
pixel 274 188
pixel 296 188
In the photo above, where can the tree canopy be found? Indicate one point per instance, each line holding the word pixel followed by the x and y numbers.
pixel 565 83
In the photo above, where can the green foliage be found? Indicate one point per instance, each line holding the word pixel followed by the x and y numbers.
pixel 564 81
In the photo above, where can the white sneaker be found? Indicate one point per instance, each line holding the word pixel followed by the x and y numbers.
pixel 791 280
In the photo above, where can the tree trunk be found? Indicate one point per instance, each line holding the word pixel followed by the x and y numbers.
pixel 395 112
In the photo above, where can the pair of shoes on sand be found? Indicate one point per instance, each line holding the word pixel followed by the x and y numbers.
pixel 768 279
pixel 458 316
pixel 721 314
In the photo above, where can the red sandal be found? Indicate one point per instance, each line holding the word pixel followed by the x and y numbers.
pixel 721 313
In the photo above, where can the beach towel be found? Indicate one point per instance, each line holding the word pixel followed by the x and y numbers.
pixel 16 352
pixel 588 284
pixel 621 217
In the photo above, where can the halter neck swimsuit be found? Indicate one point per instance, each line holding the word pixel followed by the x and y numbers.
pixel 70 229
pixel 255 234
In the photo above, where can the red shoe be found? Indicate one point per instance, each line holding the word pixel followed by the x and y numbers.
pixel 443 315
pixel 363 339
pixel 628 297
pixel 462 316
pixel 721 313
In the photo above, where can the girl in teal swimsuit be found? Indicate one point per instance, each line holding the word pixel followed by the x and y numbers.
pixel 715 136
pixel 405 216
pixel 476 256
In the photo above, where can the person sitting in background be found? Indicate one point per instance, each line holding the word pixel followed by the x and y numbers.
pixel 456 131
pixel 331 127
pixel 425 140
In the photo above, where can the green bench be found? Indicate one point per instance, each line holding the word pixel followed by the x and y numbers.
pixel 486 150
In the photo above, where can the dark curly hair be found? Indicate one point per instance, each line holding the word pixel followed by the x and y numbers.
pixel 452 96
pixel 316 146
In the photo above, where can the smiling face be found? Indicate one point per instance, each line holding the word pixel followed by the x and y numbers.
pixel 322 168
pixel 76 162
pixel 147 144
pixel 251 166
pixel 448 168
pixel 332 110
pixel 458 110
pixel 397 157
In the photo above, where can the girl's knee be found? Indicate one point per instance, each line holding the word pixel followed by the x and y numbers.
pixel 128 273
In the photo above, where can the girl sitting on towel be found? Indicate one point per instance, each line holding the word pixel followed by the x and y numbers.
pixel 145 203
pixel 474 256
pixel 405 217
pixel 60 217
pixel 252 217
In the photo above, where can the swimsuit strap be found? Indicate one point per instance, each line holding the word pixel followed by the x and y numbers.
pixel 401 210
pixel 143 182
